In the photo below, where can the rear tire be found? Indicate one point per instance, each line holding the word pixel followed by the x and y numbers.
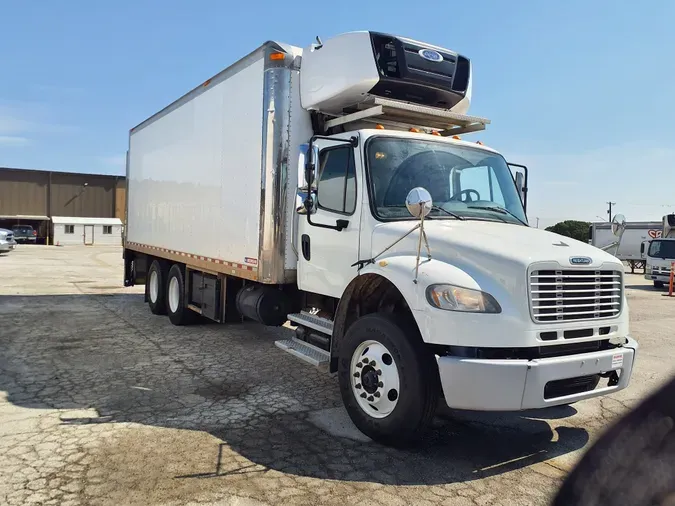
pixel 176 306
pixel 658 284
pixel 406 379
pixel 155 288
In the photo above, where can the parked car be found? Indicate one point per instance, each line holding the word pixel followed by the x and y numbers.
pixel 7 242
pixel 24 234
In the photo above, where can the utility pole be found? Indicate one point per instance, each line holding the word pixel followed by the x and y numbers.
pixel 537 221
pixel 609 211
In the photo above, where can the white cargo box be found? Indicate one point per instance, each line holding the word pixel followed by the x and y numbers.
pixel 213 176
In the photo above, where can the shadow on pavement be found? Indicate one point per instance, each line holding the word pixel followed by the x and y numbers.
pixel 645 288
pixel 108 353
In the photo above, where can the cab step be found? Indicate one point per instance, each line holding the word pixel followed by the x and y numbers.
pixel 323 325
pixel 305 351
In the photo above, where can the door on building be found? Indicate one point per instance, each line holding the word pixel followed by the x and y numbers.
pixel 89 234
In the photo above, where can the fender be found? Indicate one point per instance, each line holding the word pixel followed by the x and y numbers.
pixel 399 270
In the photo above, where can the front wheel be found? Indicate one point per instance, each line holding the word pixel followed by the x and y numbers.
pixel 388 380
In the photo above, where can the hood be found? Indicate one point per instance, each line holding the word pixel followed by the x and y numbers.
pixel 489 245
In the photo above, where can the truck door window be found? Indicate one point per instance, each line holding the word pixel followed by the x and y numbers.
pixel 336 188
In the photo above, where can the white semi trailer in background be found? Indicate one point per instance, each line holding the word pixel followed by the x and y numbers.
pixel 328 186
pixel 660 253
pixel 630 248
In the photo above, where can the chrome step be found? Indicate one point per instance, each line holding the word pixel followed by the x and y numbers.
pixel 305 351
pixel 313 322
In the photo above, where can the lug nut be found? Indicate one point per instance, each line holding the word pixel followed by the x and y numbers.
pixel 372 363
pixel 363 395
pixel 359 365
pixel 356 374
pixel 358 385
pixel 371 399
pixel 379 372
pixel 376 394
pixel 380 384
pixel 365 361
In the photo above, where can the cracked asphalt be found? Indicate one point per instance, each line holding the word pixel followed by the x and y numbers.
pixel 102 402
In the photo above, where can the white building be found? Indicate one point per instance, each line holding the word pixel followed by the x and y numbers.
pixel 88 231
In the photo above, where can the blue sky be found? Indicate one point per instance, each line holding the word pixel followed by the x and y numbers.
pixel 580 91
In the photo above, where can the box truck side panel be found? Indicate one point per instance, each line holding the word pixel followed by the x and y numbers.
pixel 195 171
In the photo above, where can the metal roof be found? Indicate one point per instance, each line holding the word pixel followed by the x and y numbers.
pixel 23 217
pixel 72 220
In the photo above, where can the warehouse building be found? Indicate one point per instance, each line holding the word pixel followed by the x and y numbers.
pixel 35 197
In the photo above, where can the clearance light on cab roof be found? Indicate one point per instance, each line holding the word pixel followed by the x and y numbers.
pixel 379 127
pixel 277 56
pixel 414 130
pixel 436 132
pixel 457 137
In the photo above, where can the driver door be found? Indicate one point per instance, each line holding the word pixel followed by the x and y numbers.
pixel 325 254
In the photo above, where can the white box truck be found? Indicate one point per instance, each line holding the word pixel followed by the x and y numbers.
pixel 330 187
pixel 631 247
pixel 660 253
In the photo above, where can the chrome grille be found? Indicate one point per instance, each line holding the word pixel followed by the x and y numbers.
pixel 570 295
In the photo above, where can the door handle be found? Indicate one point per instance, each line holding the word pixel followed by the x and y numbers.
pixel 305 247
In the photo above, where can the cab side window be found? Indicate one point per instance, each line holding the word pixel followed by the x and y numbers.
pixel 336 188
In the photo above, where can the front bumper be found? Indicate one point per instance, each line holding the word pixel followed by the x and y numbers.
pixel 7 246
pixel 514 385
pixel 664 278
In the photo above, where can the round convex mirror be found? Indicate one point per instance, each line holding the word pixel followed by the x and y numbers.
pixel 418 202
pixel 618 224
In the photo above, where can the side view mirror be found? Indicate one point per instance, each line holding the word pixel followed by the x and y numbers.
pixel 419 202
pixel 312 159
pixel 618 225
pixel 520 183
pixel 520 177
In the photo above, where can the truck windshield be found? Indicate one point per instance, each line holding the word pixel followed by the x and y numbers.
pixel 472 183
pixel 662 249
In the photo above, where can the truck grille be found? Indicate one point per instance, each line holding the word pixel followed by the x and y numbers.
pixel 569 295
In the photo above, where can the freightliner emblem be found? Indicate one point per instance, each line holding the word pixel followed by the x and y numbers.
pixel 580 260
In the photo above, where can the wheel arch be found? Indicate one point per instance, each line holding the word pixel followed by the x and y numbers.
pixel 370 292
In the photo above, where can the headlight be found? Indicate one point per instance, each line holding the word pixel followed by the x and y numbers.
pixel 456 298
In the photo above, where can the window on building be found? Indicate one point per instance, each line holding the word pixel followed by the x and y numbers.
pixel 69 229
pixel 337 180
pixel 107 229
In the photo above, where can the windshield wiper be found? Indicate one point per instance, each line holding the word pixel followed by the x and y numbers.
pixel 449 213
pixel 498 209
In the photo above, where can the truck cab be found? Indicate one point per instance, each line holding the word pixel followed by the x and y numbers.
pixel 660 254
pixel 500 315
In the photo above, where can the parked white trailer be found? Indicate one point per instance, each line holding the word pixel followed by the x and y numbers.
pixel 630 248
pixel 329 187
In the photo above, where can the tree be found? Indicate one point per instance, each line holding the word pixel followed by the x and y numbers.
pixel 578 230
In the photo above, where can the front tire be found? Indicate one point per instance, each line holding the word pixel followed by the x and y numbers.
pixel 176 305
pixel 155 288
pixel 388 380
pixel 658 284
